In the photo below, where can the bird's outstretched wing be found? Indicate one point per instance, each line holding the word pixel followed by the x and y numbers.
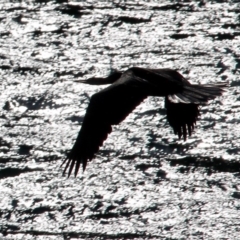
pixel 108 107
pixel 182 117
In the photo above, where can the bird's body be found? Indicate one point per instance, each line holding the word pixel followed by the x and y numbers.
pixel 128 89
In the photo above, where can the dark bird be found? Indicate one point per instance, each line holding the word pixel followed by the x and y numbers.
pixel 128 89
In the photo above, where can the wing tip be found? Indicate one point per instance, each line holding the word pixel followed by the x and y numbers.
pixel 184 131
pixel 73 164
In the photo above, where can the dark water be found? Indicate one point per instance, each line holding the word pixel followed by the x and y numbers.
pixel 143 183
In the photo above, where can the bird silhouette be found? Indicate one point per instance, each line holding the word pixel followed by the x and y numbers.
pixel 128 89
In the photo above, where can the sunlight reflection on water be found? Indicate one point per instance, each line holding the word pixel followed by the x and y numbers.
pixel 143 183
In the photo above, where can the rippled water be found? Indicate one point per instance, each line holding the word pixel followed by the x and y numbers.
pixel 143 183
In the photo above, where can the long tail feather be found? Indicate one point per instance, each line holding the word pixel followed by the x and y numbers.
pixel 198 94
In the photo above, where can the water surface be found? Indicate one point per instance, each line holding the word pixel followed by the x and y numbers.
pixel 143 183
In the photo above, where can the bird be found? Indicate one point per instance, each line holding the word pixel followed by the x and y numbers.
pixel 126 91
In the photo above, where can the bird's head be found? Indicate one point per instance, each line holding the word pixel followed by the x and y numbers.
pixel 114 76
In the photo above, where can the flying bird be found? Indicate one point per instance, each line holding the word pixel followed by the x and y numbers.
pixel 128 89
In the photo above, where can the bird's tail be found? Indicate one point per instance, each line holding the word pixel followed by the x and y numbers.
pixel 198 94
